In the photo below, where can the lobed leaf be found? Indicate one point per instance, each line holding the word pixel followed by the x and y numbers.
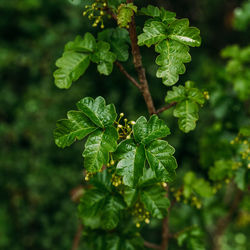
pixel 125 13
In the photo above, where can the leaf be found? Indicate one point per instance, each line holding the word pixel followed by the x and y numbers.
pixel 187 112
pixel 195 95
pixel 103 57
pixel 155 201
pixel 177 94
pixel 154 32
pixel 180 31
pixel 240 178
pixel 85 44
pixel 97 148
pixel 221 170
pixel 148 178
pixel 125 13
pixel 97 111
pixel 111 212
pixel 159 156
pixel 145 132
pixel 130 196
pixel 131 161
pixel 100 209
pixel 77 126
pixel 171 60
pixel 71 66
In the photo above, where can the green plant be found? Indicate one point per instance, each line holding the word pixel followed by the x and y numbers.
pixel 128 164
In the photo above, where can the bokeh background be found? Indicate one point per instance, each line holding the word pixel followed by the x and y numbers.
pixel 37 178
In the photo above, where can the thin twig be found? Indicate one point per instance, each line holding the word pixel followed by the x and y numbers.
pixel 132 79
pixel 151 245
pixel 77 237
pixel 158 111
pixel 139 67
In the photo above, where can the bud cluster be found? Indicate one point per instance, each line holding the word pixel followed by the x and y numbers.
pixel 140 214
pixel 96 11
pixel 125 129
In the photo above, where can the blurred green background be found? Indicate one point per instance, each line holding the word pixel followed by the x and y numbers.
pixel 36 177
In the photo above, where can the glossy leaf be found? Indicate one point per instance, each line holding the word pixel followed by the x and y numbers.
pixel 187 112
pixel 171 60
pixel 71 66
pixel 131 162
pixel 155 201
pixel 180 31
pixel 85 44
pixel 153 32
pixel 97 148
pixel 177 94
pixel 145 132
pixel 160 158
pixel 97 111
pixel 76 127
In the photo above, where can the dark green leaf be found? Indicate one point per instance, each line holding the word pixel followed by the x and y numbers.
pixel 131 161
pixel 97 148
pixel 145 132
pixel 76 127
pixel 159 156
pixel 97 111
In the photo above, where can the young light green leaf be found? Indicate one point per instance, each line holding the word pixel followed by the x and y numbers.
pixel 151 10
pixel 171 60
pixel 125 13
pixel 177 94
pixel 76 127
pixel 97 148
pixel 71 66
pixel 145 132
pixel 160 158
pixel 97 111
pixel 153 32
pixel 195 95
pixel 131 161
pixel 85 44
pixel 180 31
pixel 187 112
pixel 155 201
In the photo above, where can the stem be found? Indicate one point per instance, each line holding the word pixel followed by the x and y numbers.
pixel 132 79
pixel 77 237
pixel 139 67
pixel 223 222
pixel 151 245
pixel 158 111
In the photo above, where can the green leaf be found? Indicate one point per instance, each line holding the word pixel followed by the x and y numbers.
pixel 171 60
pixel 97 111
pixel 159 156
pixel 195 95
pixel 148 178
pixel 145 132
pixel 130 196
pixel 155 201
pixel 86 44
pixel 177 94
pixel 131 161
pixel 154 32
pixel 118 39
pixel 76 127
pixel 125 13
pixel 221 170
pixel 240 178
pixel 103 57
pixel 180 31
pixel 97 148
pixel 187 112
pixel 71 66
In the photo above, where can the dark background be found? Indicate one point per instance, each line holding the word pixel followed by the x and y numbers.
pixel 36 177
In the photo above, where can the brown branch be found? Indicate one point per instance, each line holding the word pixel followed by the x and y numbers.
pixel 77 237
pixel 223 222
pixel 132 79
pixel 139 67
pixel 158 111
pixel 151 245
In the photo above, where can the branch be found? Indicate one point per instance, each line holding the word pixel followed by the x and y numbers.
pixel 223 222
pixel 158 111
pixel 151 245
pixel 132 79
pixel 77 237
pixel 139 67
